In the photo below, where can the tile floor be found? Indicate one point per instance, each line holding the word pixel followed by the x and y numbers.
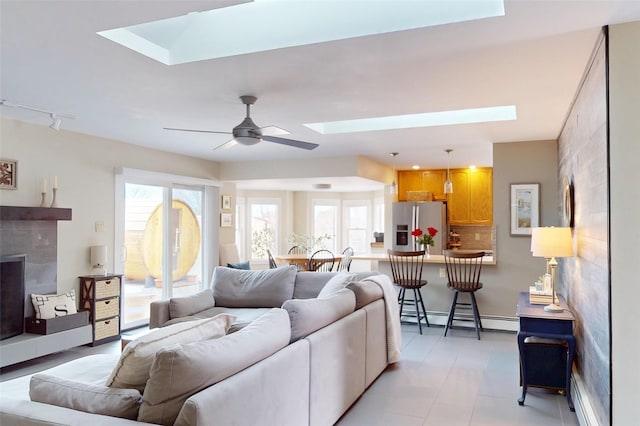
pixel 456 380
pixel 443 381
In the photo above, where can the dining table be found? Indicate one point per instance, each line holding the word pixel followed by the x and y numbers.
pixel 301 260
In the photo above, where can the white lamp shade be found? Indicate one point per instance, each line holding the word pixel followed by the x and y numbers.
pixel 551 242
pixel 98 255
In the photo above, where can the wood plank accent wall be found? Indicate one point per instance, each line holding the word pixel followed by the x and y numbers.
pixel 582 149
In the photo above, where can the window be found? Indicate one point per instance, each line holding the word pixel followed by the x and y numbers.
pixel 325 222
pixel 160 239
pixel 378 214
pixel 240 221
pixel 263 227
pixel 357 227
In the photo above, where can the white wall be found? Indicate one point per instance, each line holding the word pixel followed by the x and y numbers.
pixel 85 166
pixel 624 104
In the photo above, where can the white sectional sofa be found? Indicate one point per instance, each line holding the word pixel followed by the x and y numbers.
pixel 305 349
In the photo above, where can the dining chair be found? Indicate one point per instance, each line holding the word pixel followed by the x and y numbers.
pixel 406 270
pixel 297 250
pixel 272 261
pixel 463 275
pixel 345 263
pixel 321 261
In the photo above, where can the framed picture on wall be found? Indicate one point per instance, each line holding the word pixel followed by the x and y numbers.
pixel 525 208
pixel 8 174
pixel 226 220
pixel 226 202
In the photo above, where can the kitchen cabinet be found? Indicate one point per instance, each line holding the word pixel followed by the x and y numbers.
pixel 421 180
pixel 472 200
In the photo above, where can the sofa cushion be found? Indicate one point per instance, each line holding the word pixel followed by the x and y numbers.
pixel 87 397
pixel 48 306
pixel 180 371
pixel 336 283
pixel 189 305
pixel 365 291
pixel 244 316
pixel 240 265
pixel 309 315
pixel 310 284
pixel 132 369
pixel 269 288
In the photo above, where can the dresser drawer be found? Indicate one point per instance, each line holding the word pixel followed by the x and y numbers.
pixel 106 328
pixel 107 308
pixel 107 288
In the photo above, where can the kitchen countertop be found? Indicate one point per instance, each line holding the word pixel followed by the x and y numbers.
pixel 434 258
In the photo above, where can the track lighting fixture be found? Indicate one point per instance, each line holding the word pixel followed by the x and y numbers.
pixel 56 118
pixel 55 125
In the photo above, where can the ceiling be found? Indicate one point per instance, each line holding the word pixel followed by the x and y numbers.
pixel 533 58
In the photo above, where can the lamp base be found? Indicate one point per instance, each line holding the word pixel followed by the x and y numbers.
pixel 553 307
pixel 99 270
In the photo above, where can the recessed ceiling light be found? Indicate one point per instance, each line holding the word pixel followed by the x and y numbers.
pixel 415 167
pixel 427 119
pixel 275 24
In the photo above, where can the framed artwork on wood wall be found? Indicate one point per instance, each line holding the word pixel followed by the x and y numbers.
pixel 525 208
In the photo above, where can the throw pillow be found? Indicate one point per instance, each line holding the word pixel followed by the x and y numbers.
pixel 268 288
pixel 132 369
pixel 182 370
pixel 184 306
pixel 309 315
pixel 49 306
pixel 86 397
pixel 241 265
pixel 365 291
pixel 336 283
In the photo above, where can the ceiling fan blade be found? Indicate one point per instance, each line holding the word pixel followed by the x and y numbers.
pixel 195 130
pixel 273 131
pixel 228 144
pixel 291 142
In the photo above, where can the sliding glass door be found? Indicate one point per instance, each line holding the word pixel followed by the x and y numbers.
pixel 163 246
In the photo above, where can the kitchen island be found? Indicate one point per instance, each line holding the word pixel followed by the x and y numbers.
pixel 437 296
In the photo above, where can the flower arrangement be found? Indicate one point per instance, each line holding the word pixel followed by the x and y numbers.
pixel 425 238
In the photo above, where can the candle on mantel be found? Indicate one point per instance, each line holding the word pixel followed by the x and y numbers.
pixel 43 187
pixel 55 182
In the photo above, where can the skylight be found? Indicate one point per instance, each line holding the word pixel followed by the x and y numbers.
pixel 274 24
pixel 427 119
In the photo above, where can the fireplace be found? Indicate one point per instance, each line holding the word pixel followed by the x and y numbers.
pixel 11 290
pixel 29 251
pixel 31 233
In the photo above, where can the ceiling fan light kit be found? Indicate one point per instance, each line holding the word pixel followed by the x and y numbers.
pixel 248 133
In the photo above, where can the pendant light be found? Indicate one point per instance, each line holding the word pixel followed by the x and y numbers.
pixel 393 188
pixel 448 185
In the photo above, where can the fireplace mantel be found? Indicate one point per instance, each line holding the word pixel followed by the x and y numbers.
pixel 34 213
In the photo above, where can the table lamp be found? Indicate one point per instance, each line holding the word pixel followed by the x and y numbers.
pixel 98 260
pixel 550 243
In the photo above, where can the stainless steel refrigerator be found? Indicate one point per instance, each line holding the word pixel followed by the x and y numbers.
pixel 407 216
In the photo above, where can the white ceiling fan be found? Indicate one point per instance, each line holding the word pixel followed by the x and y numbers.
pixel 248 133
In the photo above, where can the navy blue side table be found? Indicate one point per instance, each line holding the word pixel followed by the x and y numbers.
pixel 535 323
